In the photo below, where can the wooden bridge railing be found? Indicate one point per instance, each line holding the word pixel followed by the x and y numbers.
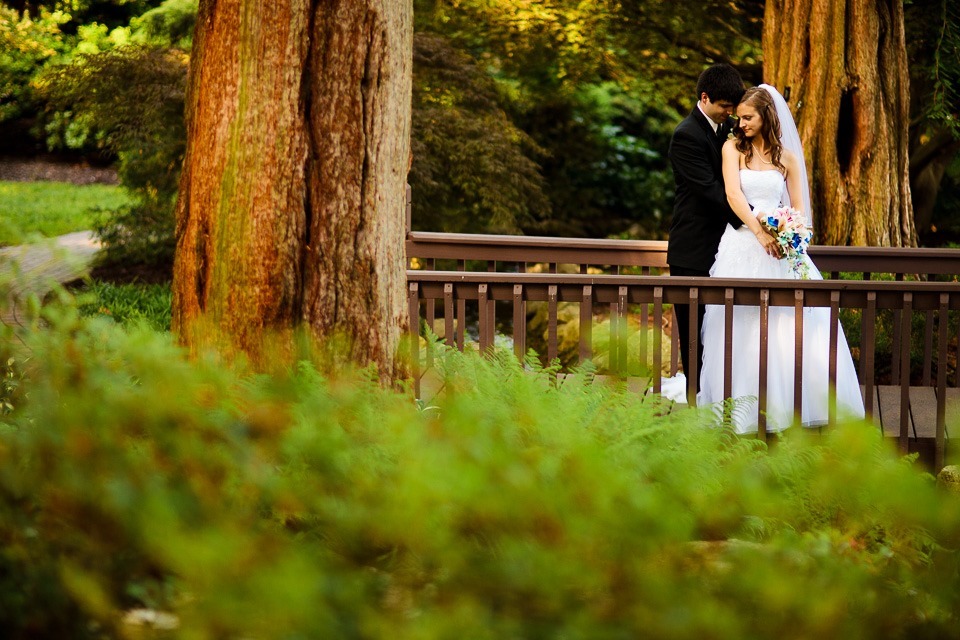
pixel 917 283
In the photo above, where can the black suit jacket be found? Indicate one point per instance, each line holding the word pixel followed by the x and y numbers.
pixel 700 211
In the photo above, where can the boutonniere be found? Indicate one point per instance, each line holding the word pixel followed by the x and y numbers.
pixel 731 136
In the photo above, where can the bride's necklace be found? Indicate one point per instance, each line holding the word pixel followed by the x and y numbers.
pixel 760 155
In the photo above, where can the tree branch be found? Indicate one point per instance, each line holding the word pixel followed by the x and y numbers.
pixel 941 143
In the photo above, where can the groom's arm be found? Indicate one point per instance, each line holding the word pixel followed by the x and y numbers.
pixel 691 160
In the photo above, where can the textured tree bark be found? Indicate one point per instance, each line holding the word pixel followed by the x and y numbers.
pixel 845 64
pixel 291 206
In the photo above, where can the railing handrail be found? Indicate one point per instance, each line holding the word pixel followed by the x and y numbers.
pixel 652 253
pixel 853 293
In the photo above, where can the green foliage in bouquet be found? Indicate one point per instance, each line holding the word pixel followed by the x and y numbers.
pixel 301 501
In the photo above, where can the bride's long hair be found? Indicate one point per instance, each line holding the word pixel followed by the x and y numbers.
pixel 760 99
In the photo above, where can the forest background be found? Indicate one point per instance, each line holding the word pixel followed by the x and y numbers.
pixel 543 118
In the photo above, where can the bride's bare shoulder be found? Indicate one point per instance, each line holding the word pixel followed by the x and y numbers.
pixel 790 160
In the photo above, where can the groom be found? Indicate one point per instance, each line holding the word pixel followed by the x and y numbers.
pixel 701 212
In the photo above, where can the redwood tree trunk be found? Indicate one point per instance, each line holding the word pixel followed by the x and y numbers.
pixel 845 64
pixel 291 206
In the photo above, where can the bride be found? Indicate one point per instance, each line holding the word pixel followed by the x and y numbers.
pixel 763 168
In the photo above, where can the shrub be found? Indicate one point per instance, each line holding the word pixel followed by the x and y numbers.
pixel 299 501
pixel 135 97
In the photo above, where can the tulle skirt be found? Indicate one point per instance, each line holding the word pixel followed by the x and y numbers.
pixel 741 256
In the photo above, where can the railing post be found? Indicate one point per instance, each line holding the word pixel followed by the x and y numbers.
pixel 485 328
pixel 623 358
pixel 764 350
pixel 906 320
pixel 552 323
pixel 519 323
pixel 942 322
pixel 692 356
pixel 834 346
pixel 798 298
pixel 448 336
pixel 727 343
pixel 658 338
pixel 413 302
pixel 586 324
pixel 867 360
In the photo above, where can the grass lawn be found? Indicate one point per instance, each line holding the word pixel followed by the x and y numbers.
pixel 52 208
pixel 128 304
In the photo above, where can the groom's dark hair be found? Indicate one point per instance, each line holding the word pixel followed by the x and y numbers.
pixel 720 82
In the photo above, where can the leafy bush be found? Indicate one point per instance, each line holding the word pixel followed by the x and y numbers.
pixel 472 168
pixel 300 501
pixel 26 45
pixel 135 97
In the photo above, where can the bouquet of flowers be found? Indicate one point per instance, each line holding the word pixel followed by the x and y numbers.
pixel 789 228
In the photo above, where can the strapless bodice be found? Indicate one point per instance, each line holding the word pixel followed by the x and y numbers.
pixel 763 189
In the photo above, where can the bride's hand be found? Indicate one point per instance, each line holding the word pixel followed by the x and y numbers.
pixel 768 243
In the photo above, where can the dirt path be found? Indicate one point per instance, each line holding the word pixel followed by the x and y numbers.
pixel 32 170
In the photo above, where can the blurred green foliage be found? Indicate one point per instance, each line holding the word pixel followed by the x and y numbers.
pixel 26 46
pixel 303 501
pixel 529 117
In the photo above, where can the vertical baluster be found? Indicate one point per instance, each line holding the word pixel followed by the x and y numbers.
pixel 551 322
pixel 448 336
pixel 905 322
pixel 431 312
pixel 928 350
pixel 674 345
pixel 694 374
pixel 583 269
pixel 623 364
pixel 834 346
pixel 868 349
pixel 943 316
pixel 586 324
pixel 491 306
pixel 798 298
pixel 863 331
pixel 894 356
pixel 644 336
pixel 519 323
pixel 613 343
pixel 486 330
pixel 461 312
pixel 727 353
pixel 764 349
pixel 413 302
pixel 728 343
pixel 657 338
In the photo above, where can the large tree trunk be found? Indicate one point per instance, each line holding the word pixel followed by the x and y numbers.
pixel 291 206
pixel 845 64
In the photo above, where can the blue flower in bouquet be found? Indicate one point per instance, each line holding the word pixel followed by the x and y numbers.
pixel 790 230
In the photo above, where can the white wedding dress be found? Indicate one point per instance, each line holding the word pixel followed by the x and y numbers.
pixel 741 256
